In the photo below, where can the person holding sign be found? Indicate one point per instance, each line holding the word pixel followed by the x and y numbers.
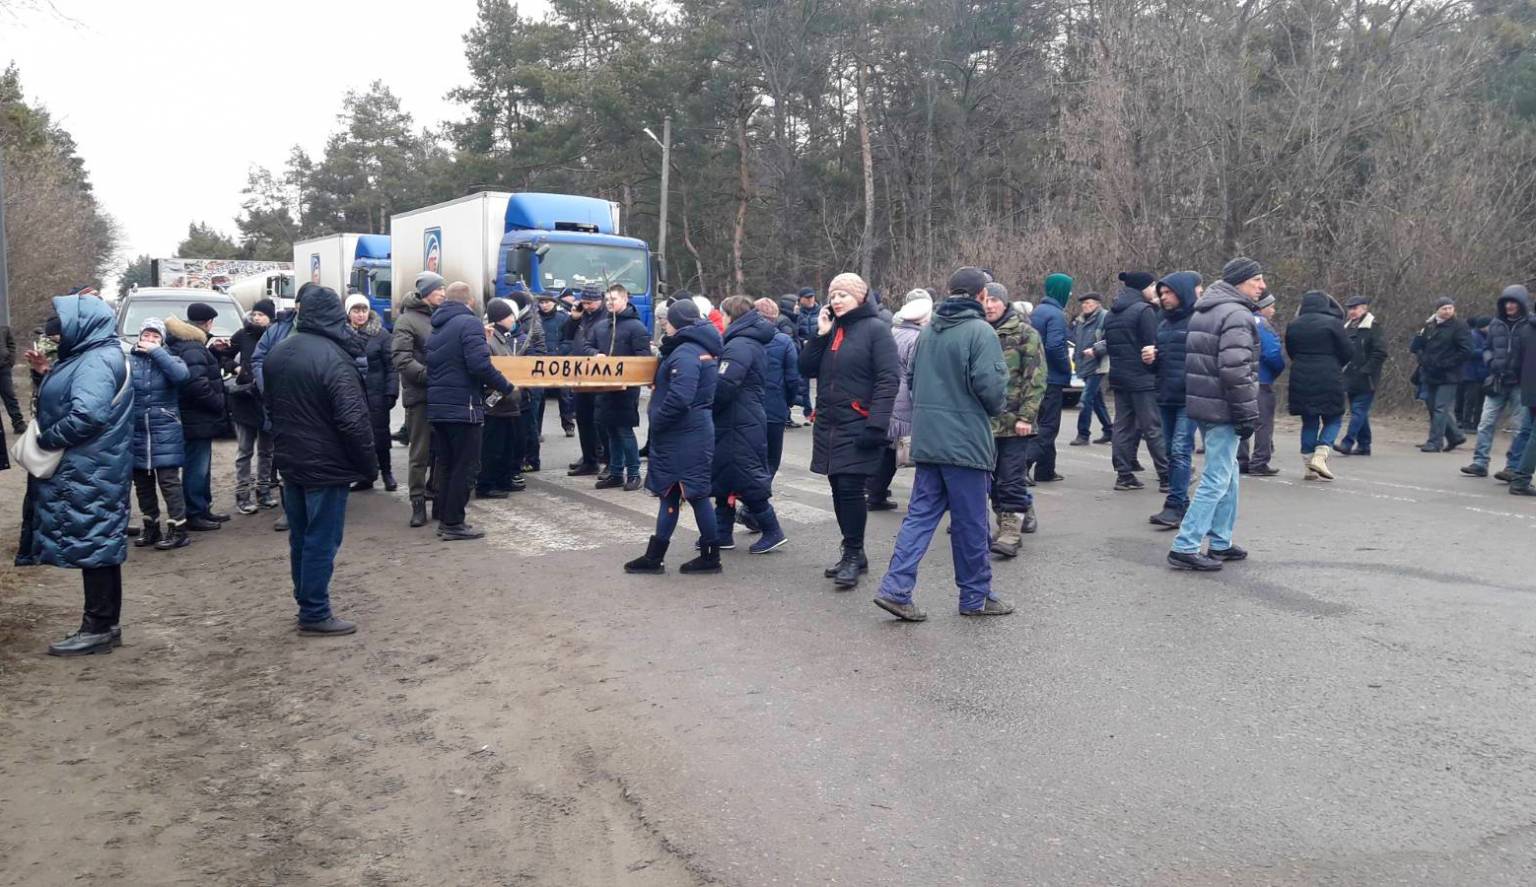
pixel 620 334
pixel 683 437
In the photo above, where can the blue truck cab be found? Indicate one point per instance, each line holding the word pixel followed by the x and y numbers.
pixel 371 274
pixel 559 241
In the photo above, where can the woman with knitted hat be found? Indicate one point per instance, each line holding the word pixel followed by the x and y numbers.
pixel 381 383
pixel 853 358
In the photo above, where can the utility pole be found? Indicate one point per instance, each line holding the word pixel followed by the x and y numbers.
pixel 666 171
pixel 5 300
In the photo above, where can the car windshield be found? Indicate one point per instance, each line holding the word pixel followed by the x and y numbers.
pixel 226 324
pixel 580 266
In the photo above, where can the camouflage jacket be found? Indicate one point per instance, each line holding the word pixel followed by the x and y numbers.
pixel 1024 355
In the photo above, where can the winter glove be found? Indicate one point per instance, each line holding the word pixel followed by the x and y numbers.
pixel 873 438
pixel 1245 430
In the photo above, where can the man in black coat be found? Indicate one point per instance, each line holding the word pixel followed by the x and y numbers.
pixel 323 440
pixel 253 439
pixel 585 315
pixel 1130 333
pixel 1502 387
pixel 1443 346
pixel 621 333
pixel 1362 374
pixel 1525 365
pixel 203 415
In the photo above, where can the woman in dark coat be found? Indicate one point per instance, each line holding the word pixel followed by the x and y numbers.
pixel 1319 350
pixel 853 358
pixel 158 448
pixel 682 427
pixel 252 438
pixel 381 383
pixel 79 515
pixel 741 469
pixel 620 334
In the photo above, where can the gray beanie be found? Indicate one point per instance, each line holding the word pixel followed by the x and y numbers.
pixel 1240 270
pixel 682 313
pixel 1444 301
pixel 153 323
pixel 996 291
pixel 427 282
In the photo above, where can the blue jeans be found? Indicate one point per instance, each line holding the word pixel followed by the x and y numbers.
pixel 623 452
pixel 1495 406
pixel 197 477
pixel 963 493
pixel 1360 420
pixel 316 518
pixel 1319 431
pixel 1213 510
pixel 1092 404
pixel 1179 432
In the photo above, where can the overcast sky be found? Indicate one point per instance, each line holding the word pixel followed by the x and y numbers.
pixel 172 101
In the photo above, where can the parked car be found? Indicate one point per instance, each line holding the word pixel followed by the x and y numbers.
pixel 163 302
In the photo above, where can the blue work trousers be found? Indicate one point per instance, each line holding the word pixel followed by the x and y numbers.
pixel 963 493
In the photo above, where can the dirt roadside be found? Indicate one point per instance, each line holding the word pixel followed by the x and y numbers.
pixel 444 744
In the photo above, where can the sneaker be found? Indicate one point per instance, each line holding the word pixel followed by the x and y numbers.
pixel 992 607
pixel 330 626
pixel 1229 554
pixel 1128 482
pixel 518 484
pixel 458 532
pixel 1475 470
pixel 904 612
pixel 1196 561
pixel 246 506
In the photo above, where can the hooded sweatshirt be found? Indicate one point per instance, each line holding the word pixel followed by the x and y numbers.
pixel 1172 338
pixel 958 378
pixel 1050 321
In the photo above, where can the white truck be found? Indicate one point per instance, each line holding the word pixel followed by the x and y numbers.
pixel 340 261
pixel 275 285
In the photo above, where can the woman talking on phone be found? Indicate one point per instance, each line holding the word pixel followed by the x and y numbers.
pixel 853 358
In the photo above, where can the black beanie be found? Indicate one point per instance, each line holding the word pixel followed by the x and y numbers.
pixel 266 306
pixel 498 310
pixel 682 312
pixel 1137 280
pixel 1240 270
pixel 197 312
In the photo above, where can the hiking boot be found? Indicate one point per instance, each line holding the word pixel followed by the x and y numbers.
pixel 609 482
pixel 1128 482
pixel 1008 540
pixel 1229 554
pixel 1080 441
pixel 389 481
pixel 1194 560
pixel 459 532
pixel 580 470
pixel 1028 523
pixel 708 561
pixel 150 535
pixel 200 524
pixel 991 607
pixel 650 562
pixel 175 537
pixel 418 511
pixel 1319 463
pixel 328 626
pixel 882 503
pixel 1263 470
pixel 1504 476
pixel 82 643
pixel 631 484
pixel 773 535
pixel 1475 470
pixel 1308 472
pixel 1523 488
pixel 859 558
pixel 1169 518
pixel 904 612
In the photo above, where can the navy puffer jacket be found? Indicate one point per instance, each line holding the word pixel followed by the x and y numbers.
pixel 741 424
pixel 203 414
pixel 381 382
pixel 459 367
pixel 782 380
pixel 623 335
pixel 80 515
pixel 681 413
pixel 1131 326
pixel 1173 338
pixel 1319 349
pixel 157 380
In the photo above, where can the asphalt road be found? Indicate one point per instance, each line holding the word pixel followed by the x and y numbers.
pixel 1352 705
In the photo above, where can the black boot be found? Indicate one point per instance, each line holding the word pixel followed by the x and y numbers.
pixel 389 481
pixel 150 535
pixel 725 527
pixel 860 560
pixel 418 511
pixel 849 568
pixel 708 561
pixel 651 561
pixel 175 537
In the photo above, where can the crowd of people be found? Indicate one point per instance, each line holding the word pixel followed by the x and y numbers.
pixel 963 385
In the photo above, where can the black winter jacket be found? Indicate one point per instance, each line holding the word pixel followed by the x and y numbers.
pixel 459 366
pixel 621 336
pixel 1368 351
pixel 381 383
pixel 1132 325
pixel 202 398
pixel 1503 336
pixel 1442 349
pixel 1221 381
pixel 321 432
pixel 1173 339
pixel 1319 349
pixel 1525 364
pixel 244 398
pixel 856 369
pixel 740 465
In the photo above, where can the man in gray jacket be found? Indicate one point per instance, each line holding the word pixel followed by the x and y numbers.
pixel 1221 384
pixel 957 384
pixel 1091 360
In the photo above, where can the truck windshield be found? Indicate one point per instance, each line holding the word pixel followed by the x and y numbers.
pixel 581 266
pixel 285 287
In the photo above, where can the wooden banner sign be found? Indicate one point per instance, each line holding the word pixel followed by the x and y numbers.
pixel 577 372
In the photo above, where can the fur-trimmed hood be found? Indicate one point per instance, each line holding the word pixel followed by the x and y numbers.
pixel 180 329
